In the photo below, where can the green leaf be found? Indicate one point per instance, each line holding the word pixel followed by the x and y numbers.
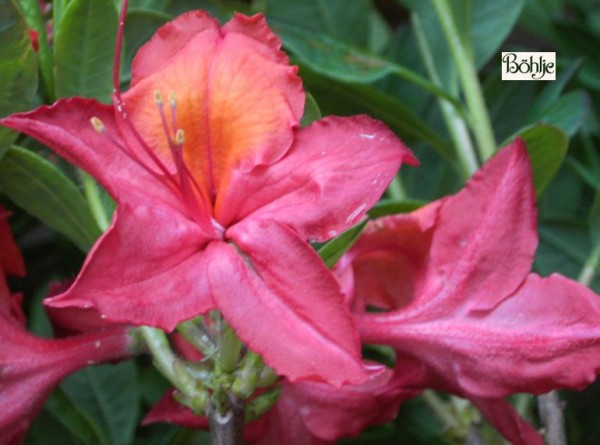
pixel 42 190
pixel 18 68
pixel 79 423
pixel 311 111
pixel 391 207
pixel 595 218
pixel 345 99
pixel 109 394
pixel 333 250
pixel 33 14
pixel 547 147
pixel 569 112
pixel 346 21
pixel 84 49
pixel 552 91
pixel 340 61
pixel 492 22
pixel 331 57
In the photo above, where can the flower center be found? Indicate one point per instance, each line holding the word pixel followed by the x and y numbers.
pixel 182 182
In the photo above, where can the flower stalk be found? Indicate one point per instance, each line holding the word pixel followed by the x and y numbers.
pixel 467 72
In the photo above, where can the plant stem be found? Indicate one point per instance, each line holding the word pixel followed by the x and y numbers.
pixel 467 73
pixel 92 194
pixel 591 265
pixel 551 415
pixel 440 409
pixel 173 368
pixel 226 428
pixel 454 120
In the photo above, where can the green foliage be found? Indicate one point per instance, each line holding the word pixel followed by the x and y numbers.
pixel 84 49
pixel 43 191
pixel 18 67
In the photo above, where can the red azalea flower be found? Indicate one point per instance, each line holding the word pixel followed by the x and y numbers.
pixel 11 264
pixel 455 280
pixel 310 413
pixel 30 367
pixel 218 191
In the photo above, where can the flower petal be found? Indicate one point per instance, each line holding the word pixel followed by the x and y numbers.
pixel 335 171
pixel 237 97
pixel 543 337
pixel 65 127
pixel 389 260
pixel 152 277
pixel 503 416
pixel 311 413
pixel 284 303
pixel 486 238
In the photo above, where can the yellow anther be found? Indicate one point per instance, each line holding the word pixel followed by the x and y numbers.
pixel 97 124
pixel 180 137
pixel 158 98
pixel 172 99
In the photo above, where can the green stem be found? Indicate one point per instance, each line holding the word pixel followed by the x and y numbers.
pixel 440 409
pixel 230 345
pixel 396 189
pixel 174 369
pixel 591 265
pixel 454 121
pixel 92 194
pixel 467 72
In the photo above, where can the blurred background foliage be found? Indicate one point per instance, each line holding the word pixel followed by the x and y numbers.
pixel 386 58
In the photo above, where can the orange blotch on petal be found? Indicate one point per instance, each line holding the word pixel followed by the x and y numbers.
pixel 238 100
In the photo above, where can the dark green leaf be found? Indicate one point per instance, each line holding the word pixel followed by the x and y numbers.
pixel 391 207
pixel 569 112
pixel 79 423
pixel 333 250
pixel 547 147
pixel 344 99
pixel 552 91
pixel 595 218
pixel 18 67
pixel 42 190
pixel 33 14
pixel 311 111
pixel 492 21
pixel 346 21
pixel 108 394
pixel 84 49
pixel 331 57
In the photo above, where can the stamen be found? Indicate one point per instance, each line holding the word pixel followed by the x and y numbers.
pixel 158 98
pixel 180 138
pixel 173 106
pixel 98 125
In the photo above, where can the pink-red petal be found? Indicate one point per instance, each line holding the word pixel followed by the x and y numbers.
pixel 335 171
pixel 486 234
pixel 285 304
pixel 66 128
pixel 148 268
pixel 238 99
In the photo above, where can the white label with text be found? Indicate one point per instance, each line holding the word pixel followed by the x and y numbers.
pixel 528 66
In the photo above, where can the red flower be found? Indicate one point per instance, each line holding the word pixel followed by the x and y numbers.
pixel 218 191
pixel 30 367
pixel 310 413
pixel 455 280
pixel 11 264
